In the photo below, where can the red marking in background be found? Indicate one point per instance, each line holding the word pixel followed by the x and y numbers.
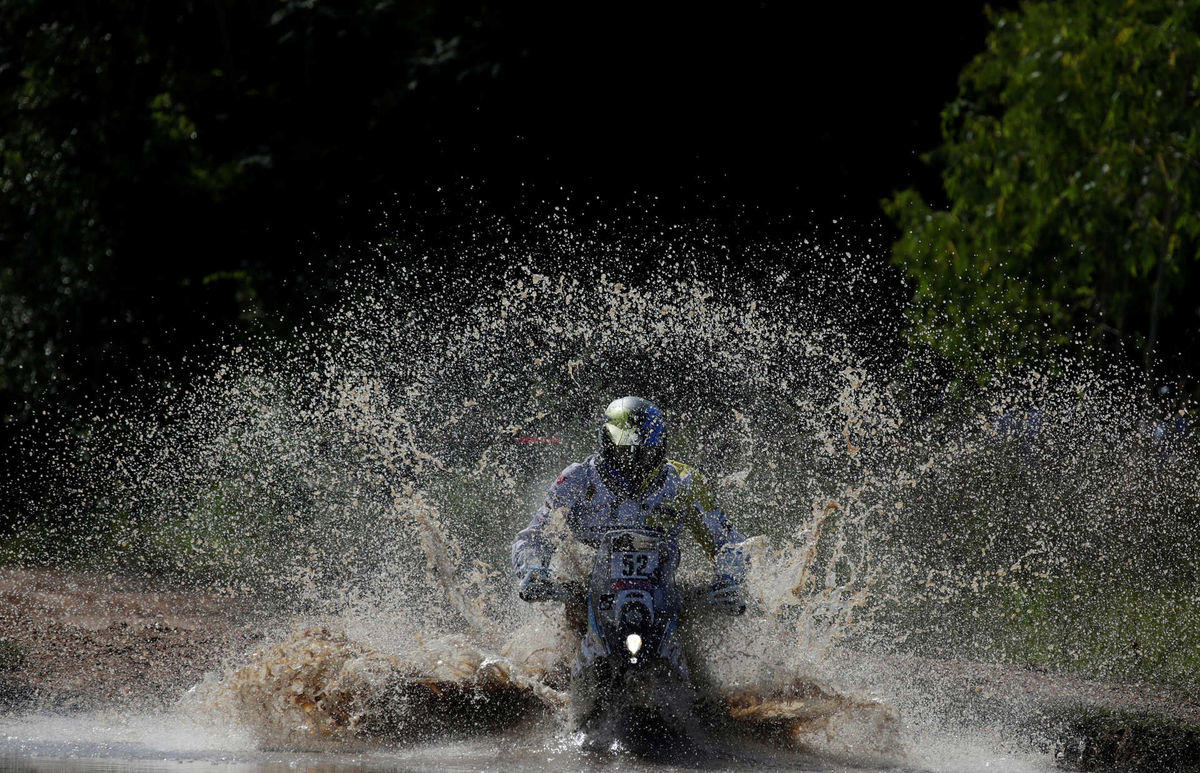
pixel 530 440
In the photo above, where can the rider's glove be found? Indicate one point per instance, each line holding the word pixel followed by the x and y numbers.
pixel 536 585
pixel 726 594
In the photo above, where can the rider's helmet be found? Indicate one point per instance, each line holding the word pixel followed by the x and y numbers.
pixel 633 437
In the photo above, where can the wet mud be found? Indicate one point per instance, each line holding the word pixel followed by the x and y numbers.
pixel 80 641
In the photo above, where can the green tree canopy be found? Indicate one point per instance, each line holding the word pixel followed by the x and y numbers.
pixel 161 164
pixel 1071 165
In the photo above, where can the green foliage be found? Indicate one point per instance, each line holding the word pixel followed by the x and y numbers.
pixel 1120 632
pixel 168 169
pixel 147 146
pixel 1071 164
pixel 1095 738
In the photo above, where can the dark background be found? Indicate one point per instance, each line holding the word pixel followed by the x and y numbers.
pixel 178 171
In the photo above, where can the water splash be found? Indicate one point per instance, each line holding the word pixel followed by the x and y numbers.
pixel 369 473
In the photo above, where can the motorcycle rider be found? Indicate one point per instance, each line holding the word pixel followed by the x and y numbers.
pixel 631 484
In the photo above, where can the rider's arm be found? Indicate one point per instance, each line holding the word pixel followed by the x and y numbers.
pixel 711 527
pixel 533 548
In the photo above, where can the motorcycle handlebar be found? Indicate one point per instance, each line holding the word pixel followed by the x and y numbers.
pixel 569 591
pixel 565 591
pixel 698 596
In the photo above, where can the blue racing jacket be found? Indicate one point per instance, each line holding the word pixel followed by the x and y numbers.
pixel 673 500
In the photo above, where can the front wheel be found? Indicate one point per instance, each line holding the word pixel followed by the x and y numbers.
pixel 610 692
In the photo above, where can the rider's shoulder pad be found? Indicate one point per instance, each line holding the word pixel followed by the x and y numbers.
pixel 686 473
pixel 692 484
pixel 574 474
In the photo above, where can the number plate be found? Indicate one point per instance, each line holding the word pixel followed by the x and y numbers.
pixel 634 565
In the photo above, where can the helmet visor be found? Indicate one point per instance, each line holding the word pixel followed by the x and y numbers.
pixel 635 463
pixel 627 435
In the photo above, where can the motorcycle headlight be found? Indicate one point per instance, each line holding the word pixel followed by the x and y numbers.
pixel 633 643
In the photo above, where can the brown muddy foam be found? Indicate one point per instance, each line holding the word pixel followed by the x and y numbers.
pixel 321 690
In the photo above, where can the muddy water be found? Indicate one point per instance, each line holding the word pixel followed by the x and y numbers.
pixel 364 477
pixel 136 743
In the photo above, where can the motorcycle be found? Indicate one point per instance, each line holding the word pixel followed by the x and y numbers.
pixel 630 678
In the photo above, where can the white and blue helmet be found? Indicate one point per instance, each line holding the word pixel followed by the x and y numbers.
pixel 633 437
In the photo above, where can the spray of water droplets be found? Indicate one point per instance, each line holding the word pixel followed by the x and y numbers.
pixel 370 471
